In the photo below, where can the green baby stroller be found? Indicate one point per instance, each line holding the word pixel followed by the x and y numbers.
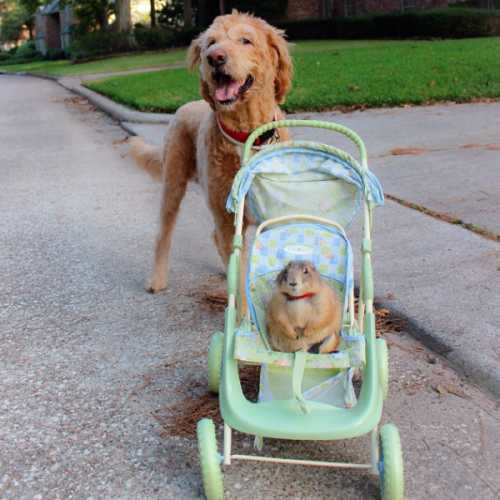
pixel 304 195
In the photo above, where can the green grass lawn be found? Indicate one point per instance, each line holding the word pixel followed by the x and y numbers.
pixel 152 60
pixel 111 65
pixel 371 75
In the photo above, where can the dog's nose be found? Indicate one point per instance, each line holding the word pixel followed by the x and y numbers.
pixel 217 57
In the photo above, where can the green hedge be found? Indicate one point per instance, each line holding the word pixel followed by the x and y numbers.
pixel 434 23
pixel 153 38
pixel 97 44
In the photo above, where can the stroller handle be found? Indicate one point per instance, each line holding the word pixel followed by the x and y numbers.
pixel 307 123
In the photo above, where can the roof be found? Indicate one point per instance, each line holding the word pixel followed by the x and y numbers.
pixel 52 8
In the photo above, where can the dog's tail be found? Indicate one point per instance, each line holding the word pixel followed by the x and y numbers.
pixel 147 157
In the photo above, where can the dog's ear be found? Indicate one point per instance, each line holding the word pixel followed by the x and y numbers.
pixel 205 93
pixel 194 61
pixel 194 52
pixel 284 63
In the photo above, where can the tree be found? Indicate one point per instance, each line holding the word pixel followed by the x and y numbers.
pixel 18 14
pixel 123 17
pixel 188 19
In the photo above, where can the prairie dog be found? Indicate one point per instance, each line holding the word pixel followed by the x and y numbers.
pixel 303 312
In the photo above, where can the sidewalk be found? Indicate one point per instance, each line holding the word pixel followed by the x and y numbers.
pixel 445 279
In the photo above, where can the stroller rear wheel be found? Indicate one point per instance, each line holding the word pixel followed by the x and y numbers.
pixel 390 463
pixel 215 362
pixel 210 467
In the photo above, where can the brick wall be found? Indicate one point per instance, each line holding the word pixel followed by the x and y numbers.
pixel 305 9
pixel 314 9
pixel 52 31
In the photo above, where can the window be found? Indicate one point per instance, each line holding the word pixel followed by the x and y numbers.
pixel 350 7
pixel 407 5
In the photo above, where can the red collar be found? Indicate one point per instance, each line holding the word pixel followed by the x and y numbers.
pixel 241 137
pixel 295 297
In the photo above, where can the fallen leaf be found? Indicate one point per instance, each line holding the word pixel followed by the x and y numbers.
pixel 455 391
pixel 441 390
pixel 407 151
pixel 383 312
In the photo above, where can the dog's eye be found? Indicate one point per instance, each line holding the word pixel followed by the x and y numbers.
pixel 210 43
pixel 246 41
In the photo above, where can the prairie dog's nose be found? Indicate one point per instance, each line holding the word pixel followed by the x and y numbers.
pixel 217 57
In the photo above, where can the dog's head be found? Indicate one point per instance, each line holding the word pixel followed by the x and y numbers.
pixel 241 58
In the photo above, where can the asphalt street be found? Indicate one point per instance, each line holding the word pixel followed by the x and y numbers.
pixel 90 363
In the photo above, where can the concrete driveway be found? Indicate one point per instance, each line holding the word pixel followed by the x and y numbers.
pixel 90 363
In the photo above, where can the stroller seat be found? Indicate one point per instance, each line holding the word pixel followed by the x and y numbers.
pixel 330 252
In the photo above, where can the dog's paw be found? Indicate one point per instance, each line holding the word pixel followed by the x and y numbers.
pixel 156 284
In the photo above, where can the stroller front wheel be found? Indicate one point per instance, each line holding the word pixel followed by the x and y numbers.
pixel 210 466
pixel 390 463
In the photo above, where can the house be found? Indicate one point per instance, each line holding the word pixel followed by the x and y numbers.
pixel 53 27
pixel 316 9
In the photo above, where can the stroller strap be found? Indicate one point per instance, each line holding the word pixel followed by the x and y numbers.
pixel 298 373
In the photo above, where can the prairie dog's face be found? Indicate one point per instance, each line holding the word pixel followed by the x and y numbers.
pixel 298 277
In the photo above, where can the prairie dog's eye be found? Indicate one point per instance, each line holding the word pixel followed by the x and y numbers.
pixel 306 271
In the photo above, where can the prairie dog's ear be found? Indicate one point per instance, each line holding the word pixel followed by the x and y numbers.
pixel 284 63
pixel 194 52
pixel 282 275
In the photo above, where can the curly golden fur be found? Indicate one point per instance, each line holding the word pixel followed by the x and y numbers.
pixel 245 72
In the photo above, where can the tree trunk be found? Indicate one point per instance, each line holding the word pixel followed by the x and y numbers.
pixel 188 20
pixel 153 13
pixel 123 18
pixel 221 7
pixel 202 13
pixel 104 15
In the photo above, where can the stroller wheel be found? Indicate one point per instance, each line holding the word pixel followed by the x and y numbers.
pixel 215 362
pixel 390 463
pixel 210 467
pixel 383 365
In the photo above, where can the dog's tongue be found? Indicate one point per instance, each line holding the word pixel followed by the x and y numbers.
pixel 228 90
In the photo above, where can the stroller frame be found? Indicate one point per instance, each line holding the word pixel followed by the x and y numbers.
pixel 317 421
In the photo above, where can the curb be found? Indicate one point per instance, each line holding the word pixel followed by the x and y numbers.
pixel 116 111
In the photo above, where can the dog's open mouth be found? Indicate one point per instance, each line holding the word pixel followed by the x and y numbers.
pixel 230 90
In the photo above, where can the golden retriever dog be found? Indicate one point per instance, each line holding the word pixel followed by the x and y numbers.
pixel 245 72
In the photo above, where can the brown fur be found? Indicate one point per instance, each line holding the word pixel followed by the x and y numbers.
pixel 298 324
pixel 194 145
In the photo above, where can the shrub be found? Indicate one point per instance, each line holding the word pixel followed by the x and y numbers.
pixel 4 56
pixel 55 55
pixel 309 29
pixel 101 43
pixel 153 39
pixel 184 37
pixel 28 51
pixel 435 23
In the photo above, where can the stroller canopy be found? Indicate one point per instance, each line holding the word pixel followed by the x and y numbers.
pixel 301 177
